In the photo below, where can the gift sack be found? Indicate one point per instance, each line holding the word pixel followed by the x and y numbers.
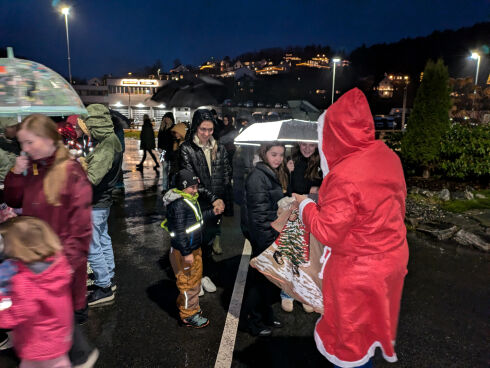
pixel 293 261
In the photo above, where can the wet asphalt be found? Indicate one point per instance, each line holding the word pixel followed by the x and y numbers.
pixel 444 318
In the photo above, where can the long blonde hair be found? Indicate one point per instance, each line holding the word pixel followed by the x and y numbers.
pixel 29 239
pixel 55 178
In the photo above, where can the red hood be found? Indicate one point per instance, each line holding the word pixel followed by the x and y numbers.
pixel 348 127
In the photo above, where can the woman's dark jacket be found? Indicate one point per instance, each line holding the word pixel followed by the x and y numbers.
pixel 166 140
pixel 262 192
pixel 299 184
pixel 147 136
pixel 191 157
pixel 180 217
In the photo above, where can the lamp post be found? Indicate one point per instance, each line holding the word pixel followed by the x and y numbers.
pixel 129 97
pixel 65 11
pixel 476 56
pixel 335 61
pixel 407 80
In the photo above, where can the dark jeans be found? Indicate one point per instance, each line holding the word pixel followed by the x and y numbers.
pixel 366 365
pixel 152 156
pixel 211 229
pixel 259 297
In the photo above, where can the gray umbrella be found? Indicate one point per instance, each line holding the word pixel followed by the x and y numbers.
pixel 286 131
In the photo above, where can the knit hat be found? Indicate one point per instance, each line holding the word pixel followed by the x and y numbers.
pixel 186 178
pixel 169 115
pixel 180 129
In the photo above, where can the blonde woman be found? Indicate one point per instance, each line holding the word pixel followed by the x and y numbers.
pixel 48 184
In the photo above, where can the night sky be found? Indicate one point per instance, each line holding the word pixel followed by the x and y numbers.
pixel 118 36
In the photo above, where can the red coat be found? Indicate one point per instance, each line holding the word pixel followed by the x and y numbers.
pixel 360 218
pixel 39 310
pixel 71 220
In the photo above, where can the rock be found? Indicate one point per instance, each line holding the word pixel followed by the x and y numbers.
pixel 469 189
pixel 445 195
pixel 427 193
pixel 464 237
pixel 441 234
pixel 412 221
pixel 480 196
pixel 469 195
pixel 414 190
pixel 458 196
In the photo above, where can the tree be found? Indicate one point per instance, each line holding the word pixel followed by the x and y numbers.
pixel 429 120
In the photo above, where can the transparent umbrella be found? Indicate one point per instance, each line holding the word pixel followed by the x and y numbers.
pixel 27 87
pixel 287 131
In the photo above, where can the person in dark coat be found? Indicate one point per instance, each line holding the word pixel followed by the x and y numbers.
pixel 147 143
pixel 208 159
pixel 165 146
pixel 227 138
pixel 265 186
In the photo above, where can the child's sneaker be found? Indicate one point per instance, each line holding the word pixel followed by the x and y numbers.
pixel 196 321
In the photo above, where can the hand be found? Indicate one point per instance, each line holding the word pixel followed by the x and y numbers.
pixel 218 206
pixel 188 259
pixel 290 166
pixel 299 198
pixel 313 190
pixel 21 164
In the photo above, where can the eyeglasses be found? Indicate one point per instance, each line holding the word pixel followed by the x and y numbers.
pixel 204 130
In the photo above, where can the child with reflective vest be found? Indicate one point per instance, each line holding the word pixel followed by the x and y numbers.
pixel 185 224
pixel 35 293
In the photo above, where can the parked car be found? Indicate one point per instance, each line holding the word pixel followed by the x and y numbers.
pixel 278 105
pixel 227 102
pixel 260 104
pixel 248 104
pixel 239 104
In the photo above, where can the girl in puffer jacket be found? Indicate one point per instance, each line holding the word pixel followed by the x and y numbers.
pixel 36 302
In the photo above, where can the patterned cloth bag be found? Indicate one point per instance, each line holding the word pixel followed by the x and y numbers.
pixel 294 261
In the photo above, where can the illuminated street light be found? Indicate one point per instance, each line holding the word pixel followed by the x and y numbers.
pixel 476 56
pixel 335 61
pixel 65 11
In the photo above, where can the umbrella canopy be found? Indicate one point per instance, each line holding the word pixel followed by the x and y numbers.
pixel 27 87
pixel 121 119
pixel 286 131
pixel 191 93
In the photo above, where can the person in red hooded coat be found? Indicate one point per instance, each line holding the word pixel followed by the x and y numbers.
pixel 360 220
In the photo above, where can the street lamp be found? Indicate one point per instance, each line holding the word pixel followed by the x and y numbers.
pixel 476 56
pixel 335 61
pixel 407 81
pixel 65 11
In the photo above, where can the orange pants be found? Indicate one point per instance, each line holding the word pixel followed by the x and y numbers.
pixel 188 282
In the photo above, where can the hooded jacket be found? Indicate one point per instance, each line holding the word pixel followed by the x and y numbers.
pixel 185 220
pixel 147 136
pixel 71 220
pixel 262 192
pixel 104 162
pixel 7 156
pixel 192 158
pixel 39 310
pixel 360 219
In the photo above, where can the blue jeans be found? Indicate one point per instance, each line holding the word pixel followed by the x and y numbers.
pixel 100 255
pixel 285 296
pixel 165 170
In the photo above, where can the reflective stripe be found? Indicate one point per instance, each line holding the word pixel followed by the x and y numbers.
pixel 193 227
pixel 194 208
pixel 172 234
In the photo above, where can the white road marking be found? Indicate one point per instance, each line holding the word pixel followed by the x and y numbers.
pixel 227 345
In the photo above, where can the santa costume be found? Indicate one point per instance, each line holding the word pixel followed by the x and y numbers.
pixel 360 219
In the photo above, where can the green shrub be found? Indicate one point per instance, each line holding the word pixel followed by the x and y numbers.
pixel 465 152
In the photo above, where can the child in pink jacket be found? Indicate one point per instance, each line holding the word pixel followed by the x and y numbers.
pixel 36 301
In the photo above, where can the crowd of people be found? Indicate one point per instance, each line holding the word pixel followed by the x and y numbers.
pixel 349 190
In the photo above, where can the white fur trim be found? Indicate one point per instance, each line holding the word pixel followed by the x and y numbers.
pixel 302 206
pixel 323 159
pixel 341 363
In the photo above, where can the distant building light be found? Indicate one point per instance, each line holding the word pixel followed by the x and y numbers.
pixel 140 105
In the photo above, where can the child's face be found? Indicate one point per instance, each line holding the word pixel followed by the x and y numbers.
pixel 192 190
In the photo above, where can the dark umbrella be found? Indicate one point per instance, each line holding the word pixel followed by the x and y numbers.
pixel 287 131
pixel 120 118
pixel 192 93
